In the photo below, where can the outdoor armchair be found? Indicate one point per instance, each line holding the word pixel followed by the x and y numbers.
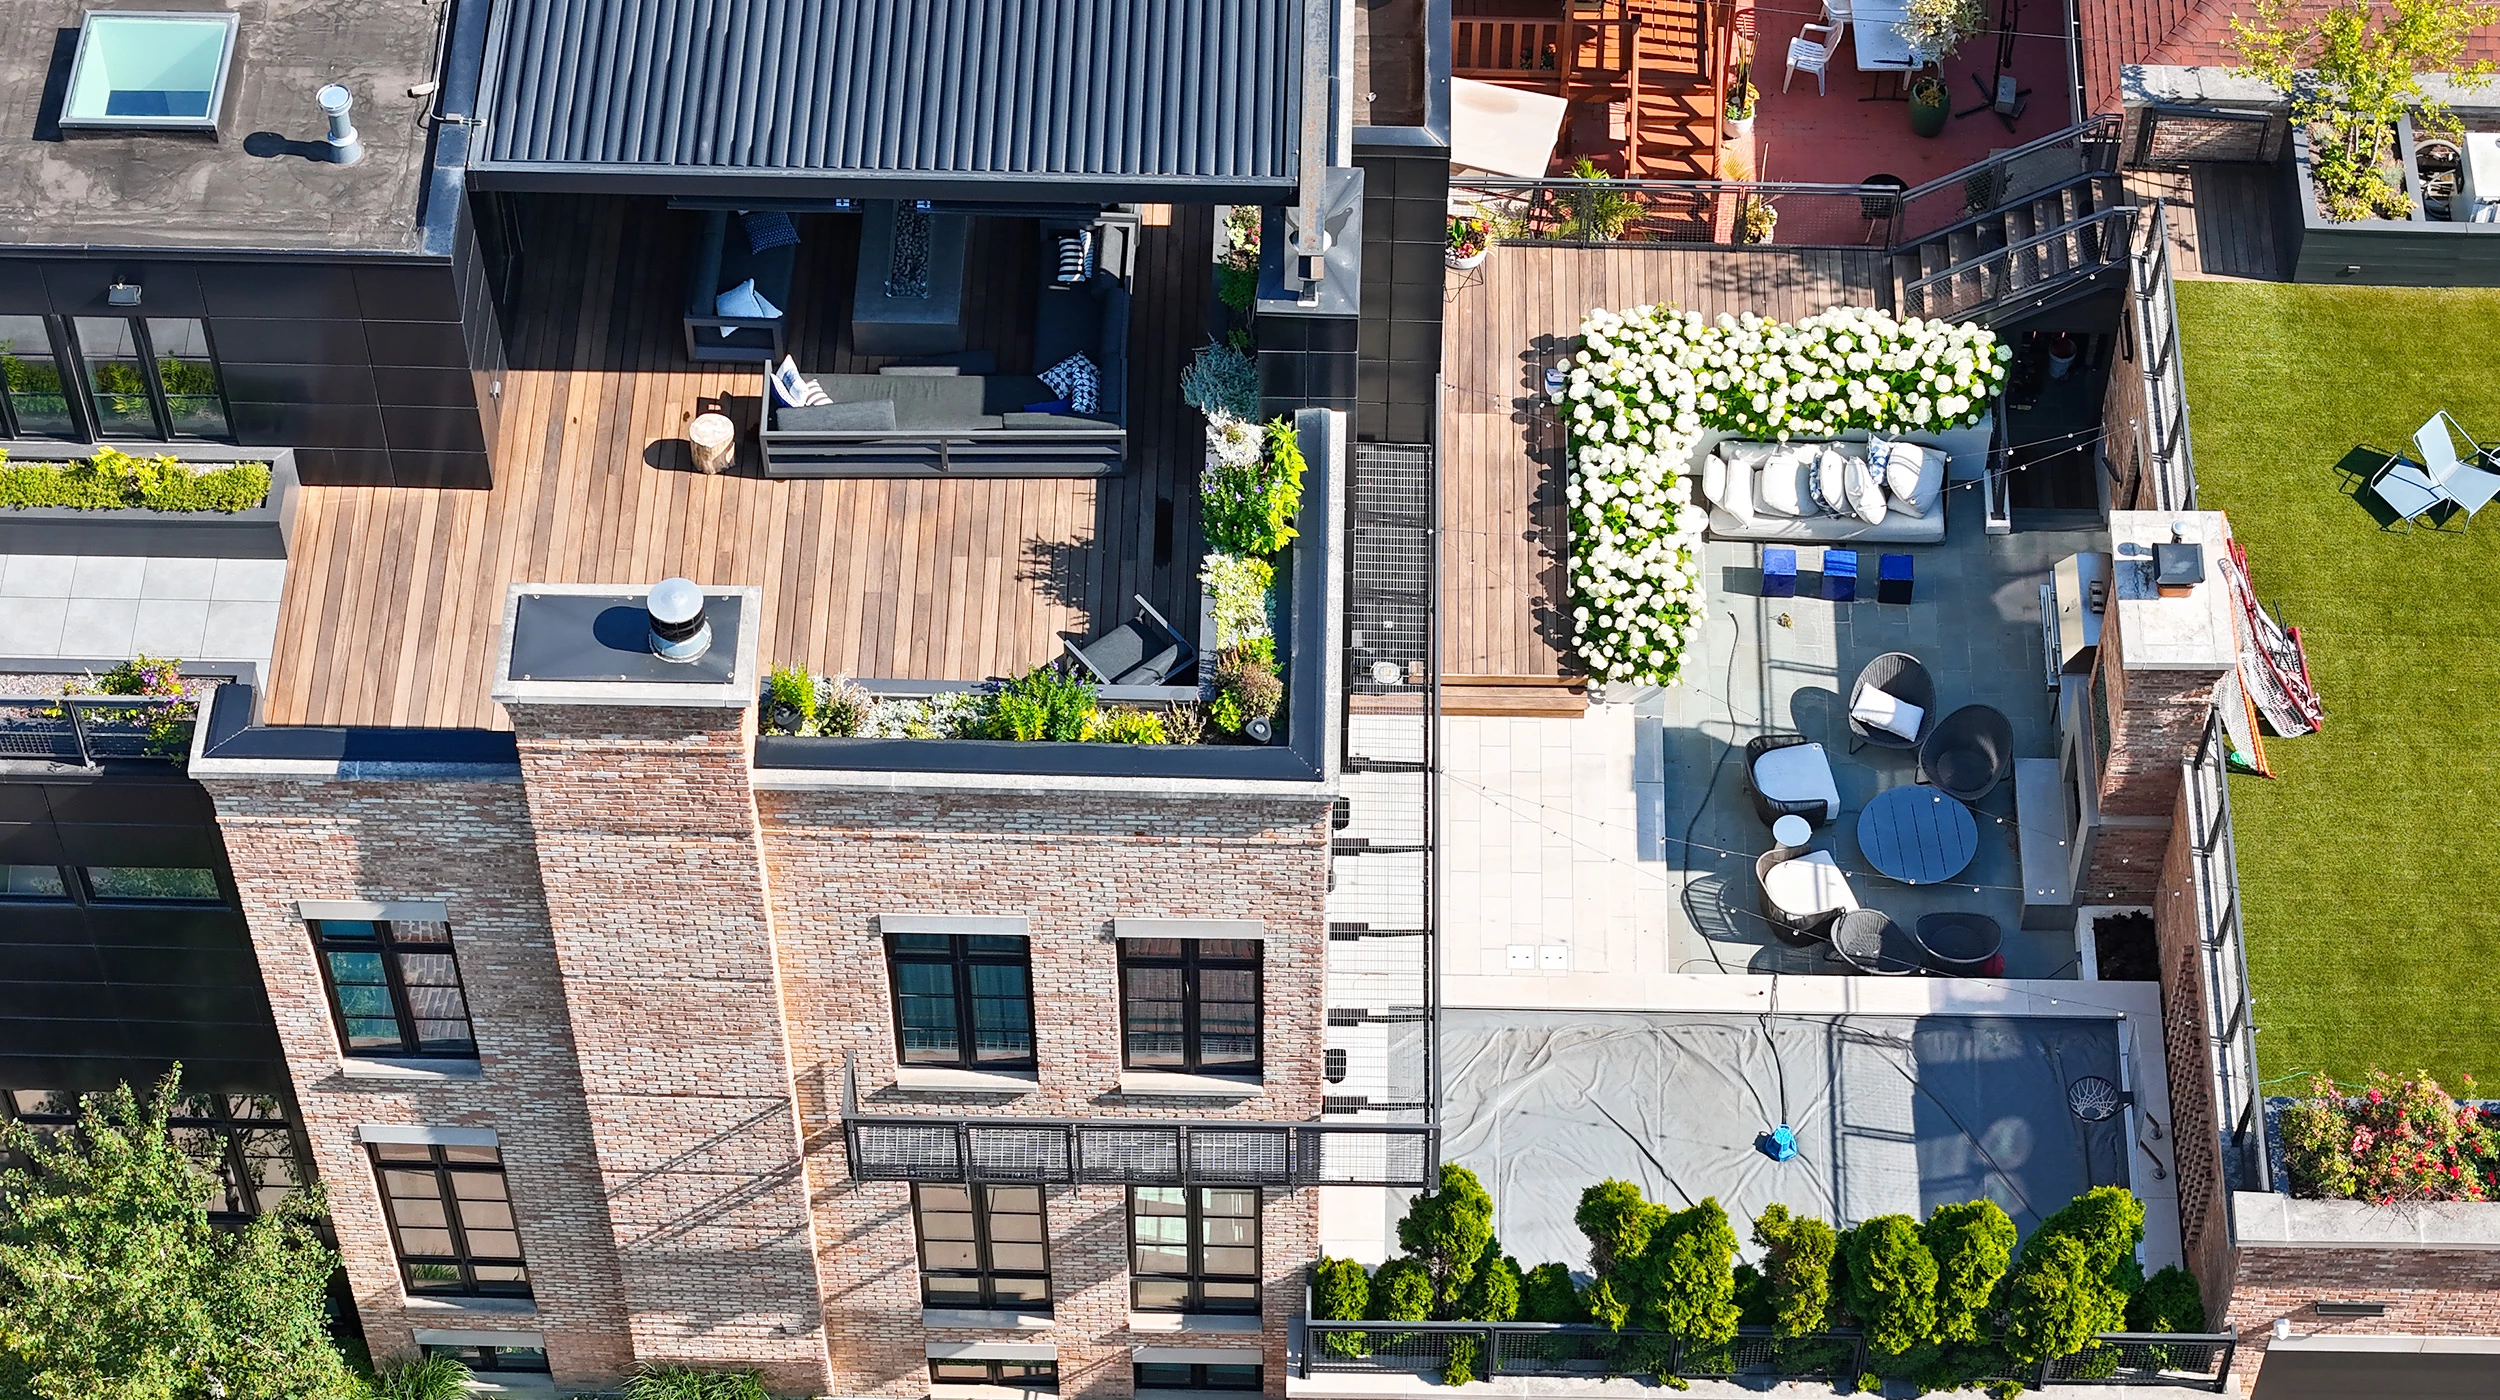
pixel 1968 753
pixel 1899 675
pixel 1141 651
pixel 1790 775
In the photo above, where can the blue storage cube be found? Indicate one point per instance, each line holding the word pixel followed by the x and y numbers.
pixel 1840 575
pixel 1779 572
pixel 1892 579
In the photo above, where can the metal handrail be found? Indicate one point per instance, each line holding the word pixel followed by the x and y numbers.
pixel 2106 122
pixel 1914 291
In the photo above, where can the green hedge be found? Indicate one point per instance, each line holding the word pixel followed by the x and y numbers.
pixel 115 480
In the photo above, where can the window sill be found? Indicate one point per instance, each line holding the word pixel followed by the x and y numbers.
pixel 984 1319
pixel 1164 1084
pixel 1229 1324
pixel 436 1307
pixel 405 1069
pixel 922 1078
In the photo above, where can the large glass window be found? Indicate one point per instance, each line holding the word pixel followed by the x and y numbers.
pixel 452 1219
pixel 395 987
pixel 32 882
pixel 37 399
pixel 962 1000
pixel 982 1247
pixel 489 1360
pixel 1194 1249
pixel 117 377
pixel 971 1370
pixel 242 1140
pixel 1173 1375
pixel 153 884
pixel 1190 1004
pixel 195 404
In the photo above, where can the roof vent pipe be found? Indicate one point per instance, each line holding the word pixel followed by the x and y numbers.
pixel 679 630
pixel 345 149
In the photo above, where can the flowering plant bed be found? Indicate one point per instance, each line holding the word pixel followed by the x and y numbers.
pixel 2397 1140
pixel 1649 383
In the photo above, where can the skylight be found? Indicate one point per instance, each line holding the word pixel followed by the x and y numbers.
pixel 149 70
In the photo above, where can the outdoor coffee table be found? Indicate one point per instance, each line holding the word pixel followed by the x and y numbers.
pixel 1917 835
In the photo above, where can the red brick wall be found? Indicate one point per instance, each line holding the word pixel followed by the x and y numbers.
pixel 468 845
pixel 647 850
pixel 2156 719
pixel 2204 1220
pixel 2429 1292
pixel 1069 864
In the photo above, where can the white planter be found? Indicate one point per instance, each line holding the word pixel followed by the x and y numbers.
pixel 1462 263
pixel 1739 126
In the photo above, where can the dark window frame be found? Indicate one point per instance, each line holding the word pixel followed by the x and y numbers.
pixel 461 1259
pixel 985 1271
pixel 235 1119
pixel 1191 961
pixel 959 957
pixel 411 1046
pixel 89 895
pixel 994 1372
pixel 1195 1301
pixel 71 885
pixel 1201 1376
pixel 490 1360
pixel 143 341
pixel 73 387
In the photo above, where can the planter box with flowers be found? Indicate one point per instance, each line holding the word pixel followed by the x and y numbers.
pixel 1646 388
pixel 207 502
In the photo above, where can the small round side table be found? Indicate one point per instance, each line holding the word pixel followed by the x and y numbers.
pixel 1792 831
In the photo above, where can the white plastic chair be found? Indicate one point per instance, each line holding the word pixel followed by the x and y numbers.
pixel 1810 55
pixel 2469 487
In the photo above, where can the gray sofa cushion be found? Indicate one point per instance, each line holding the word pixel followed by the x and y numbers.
pixel 1058 422
pixel 859 416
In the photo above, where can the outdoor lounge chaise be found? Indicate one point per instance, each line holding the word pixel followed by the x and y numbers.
pixel 1968 753
pixel 2414 489
pixel 1790 775
pixel 1801 895
pixel 1899 675
pixel 1141 651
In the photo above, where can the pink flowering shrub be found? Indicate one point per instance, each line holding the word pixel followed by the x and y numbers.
pixel 2398 1140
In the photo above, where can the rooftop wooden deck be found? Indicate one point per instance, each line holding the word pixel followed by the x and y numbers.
pixel 394 596
pixel 1502 585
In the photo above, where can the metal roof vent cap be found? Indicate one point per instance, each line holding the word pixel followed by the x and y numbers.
pixel 345 148
pixel 679 629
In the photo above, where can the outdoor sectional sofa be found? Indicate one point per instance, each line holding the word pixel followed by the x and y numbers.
pixel 1966 451
pixel 958 415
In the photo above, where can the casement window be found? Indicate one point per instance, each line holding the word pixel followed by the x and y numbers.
pixel 962 1001
pixel 1174 1375
pixel 982 1247
pixel 973 1370
pixel 451 1217
pixel 1194 1249
pixel 492 1360
pixel 1190 1005
pixel 244 1141
pixel 33 390
pixel 394 987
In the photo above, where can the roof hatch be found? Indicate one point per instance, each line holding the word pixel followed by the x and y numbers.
pixel 149 70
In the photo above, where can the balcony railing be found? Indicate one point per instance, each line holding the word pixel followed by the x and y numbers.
pixel 1548 1351
pixel 87 730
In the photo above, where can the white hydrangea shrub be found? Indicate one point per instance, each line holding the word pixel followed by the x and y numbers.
pixel 1648 382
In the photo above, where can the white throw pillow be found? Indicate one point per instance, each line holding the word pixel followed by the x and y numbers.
pixel 1787 483
pixel 1913 475
pixel 1729 486
pixel 744 300
pixel 1714 480
pixel 1831 482
pixel 1878 708
pixel 1865 490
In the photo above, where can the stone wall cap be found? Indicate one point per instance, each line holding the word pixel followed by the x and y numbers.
pixel 726 682
pixel 2262 1219
pixel 2194 633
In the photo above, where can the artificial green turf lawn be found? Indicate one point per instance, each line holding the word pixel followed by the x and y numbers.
pixel 2370 863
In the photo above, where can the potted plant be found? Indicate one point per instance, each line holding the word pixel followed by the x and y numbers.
pixel 1756 214
pixel 1741 97
pixel 2061 355
pixel 1470 241
pixel 1930 104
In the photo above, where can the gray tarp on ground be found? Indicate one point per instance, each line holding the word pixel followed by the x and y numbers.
pixel 1892 1113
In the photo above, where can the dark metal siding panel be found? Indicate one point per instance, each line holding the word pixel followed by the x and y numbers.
pixel 1175 89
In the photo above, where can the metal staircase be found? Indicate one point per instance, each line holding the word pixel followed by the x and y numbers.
pixel 2060 244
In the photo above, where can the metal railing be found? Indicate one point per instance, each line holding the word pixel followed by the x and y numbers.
pixel 2154 304
pixel 1534 1349
pixel 1728 213
pixel 2042 266
pixel 86 730
pixel 2230 1025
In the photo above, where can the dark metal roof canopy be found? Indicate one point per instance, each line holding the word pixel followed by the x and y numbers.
pixel 1101 99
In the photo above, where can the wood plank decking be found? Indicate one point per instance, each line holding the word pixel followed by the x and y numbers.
pixel 1502 483
pixel 2222 220
pixel 394 596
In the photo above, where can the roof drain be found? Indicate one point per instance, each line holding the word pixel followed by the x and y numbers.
pixel 679 630
pixel 335 101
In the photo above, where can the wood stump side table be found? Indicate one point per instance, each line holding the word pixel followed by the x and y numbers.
pixel 715 441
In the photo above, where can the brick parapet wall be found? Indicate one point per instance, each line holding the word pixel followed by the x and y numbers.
pixel 2428 1292
pixel 469 846
pixel 1069 864
pixel 648 852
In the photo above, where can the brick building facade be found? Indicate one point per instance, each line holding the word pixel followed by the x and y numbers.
pixel 672 962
